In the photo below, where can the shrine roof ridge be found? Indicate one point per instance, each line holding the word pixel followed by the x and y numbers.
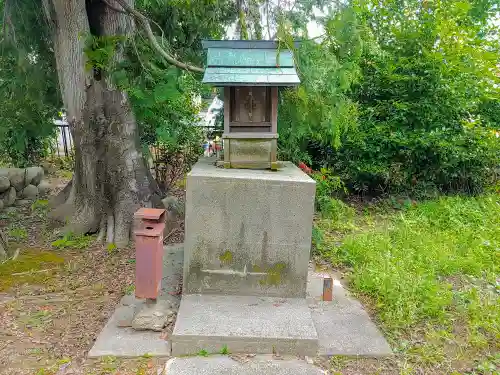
pixel 246 44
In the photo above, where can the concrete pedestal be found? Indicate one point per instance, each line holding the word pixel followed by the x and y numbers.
pixel 248 232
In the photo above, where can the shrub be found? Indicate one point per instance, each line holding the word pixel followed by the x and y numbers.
pixel 411 109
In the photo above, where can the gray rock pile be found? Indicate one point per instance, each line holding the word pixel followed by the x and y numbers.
pixel 21 183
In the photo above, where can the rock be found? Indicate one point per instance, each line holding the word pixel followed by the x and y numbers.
pixel 48 167
pixel 174 213
pixel 17 178
pixel 9 197
pixel 173 205
pixel 153 316
pixel 30 192
pixel 34 175
pixel 44 188
pixel 4 183
pixel 4 172
pixel 1 204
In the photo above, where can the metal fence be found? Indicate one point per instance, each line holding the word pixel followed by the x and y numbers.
pixel 165 166
pixel 62 144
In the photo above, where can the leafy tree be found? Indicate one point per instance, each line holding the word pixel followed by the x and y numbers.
pixel 426 89
pixel 108 100
pixel 28 94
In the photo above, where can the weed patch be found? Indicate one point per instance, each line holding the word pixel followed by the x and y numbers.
pixel 72 241
pixel 429 271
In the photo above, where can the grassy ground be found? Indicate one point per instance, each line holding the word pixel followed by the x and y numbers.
pixel 429 272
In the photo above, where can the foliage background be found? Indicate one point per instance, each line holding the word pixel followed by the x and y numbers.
pixel 400 99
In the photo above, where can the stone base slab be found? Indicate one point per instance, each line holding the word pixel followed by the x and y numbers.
pixel 229 365
pixel 244 324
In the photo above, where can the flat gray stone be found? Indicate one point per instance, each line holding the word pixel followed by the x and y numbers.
pixel 127 342
pixel 153 316
pixel 245 324
pixel 223 365
pixel 118 339
pixel 343 326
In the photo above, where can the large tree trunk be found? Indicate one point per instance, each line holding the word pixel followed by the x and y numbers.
pixel 111 179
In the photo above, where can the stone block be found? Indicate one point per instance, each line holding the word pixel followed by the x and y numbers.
pixel 244 324
pixel 9 197
pixel 29 192
pixel 248 232
pixel 232 365
pixel 34 175
pixel 174 215
pixel 4 183
pixel 17 177
pixel 153 316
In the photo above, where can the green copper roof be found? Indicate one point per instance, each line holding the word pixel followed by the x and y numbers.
pixel 250 63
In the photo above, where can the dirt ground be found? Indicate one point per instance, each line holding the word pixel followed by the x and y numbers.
pixel 56 297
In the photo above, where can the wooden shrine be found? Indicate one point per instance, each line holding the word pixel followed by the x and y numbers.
pixel 250 72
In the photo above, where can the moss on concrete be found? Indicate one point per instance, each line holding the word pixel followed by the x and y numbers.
pixel 275 275
pixel 226 258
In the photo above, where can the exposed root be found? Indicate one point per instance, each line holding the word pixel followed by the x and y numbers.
pixel 110 233
pixel 123 225
pixel 85 219
pixel 102 230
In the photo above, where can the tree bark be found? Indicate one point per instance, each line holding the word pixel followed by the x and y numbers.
pixel 111 179
pixel 4 249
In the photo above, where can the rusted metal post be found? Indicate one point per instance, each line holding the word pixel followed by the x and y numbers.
pixel 149 252
pixel 327 288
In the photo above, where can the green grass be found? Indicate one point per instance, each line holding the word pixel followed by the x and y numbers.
pixel 72 241
pixel 18 233
pixel 429 270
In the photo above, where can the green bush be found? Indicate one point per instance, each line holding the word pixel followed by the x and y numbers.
pixel 410 110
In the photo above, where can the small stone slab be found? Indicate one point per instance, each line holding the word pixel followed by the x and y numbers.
pixel 153 316
pixel 125 341
pixel 244 324
pixel 343 326
pixel 118 339
pixel 222 365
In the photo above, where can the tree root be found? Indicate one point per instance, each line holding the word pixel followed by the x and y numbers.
pixel 110 232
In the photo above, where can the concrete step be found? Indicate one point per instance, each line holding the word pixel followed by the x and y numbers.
pixel 228 365
pixel 244 324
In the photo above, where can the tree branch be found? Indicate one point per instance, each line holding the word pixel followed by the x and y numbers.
pixel 7 21
pixel 144 22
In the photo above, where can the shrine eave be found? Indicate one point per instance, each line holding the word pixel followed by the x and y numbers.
pixel 249 63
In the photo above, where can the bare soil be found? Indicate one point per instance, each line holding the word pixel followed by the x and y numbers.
pixel 55 301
